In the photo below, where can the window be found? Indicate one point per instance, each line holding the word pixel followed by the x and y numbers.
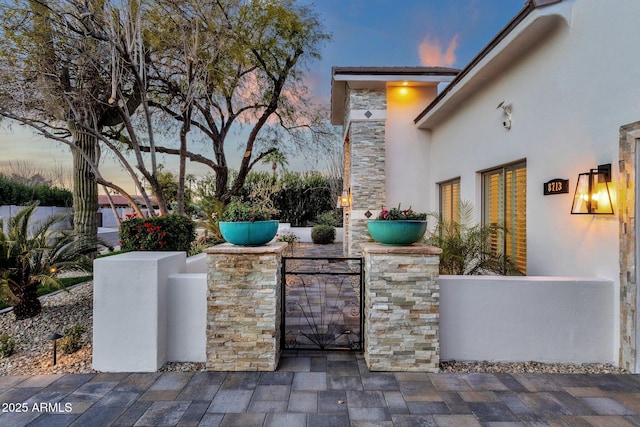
pixel 450 199
pixel 505 203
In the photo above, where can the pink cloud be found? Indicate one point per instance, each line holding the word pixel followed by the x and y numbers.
pixel 432 53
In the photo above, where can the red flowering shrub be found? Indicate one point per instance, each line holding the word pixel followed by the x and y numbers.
pixel 160 233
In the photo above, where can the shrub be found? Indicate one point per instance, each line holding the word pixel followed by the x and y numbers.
pixel 239 211
pixel 467 249
pixel 71 342
pixel 333 218
pixel 7 345
pixel 290 238
pixel 323 234
pixel 160 233
pixel 16 193
pixel 302 196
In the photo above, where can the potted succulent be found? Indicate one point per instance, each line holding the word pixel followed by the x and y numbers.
pixel 398 227
pixel 248 224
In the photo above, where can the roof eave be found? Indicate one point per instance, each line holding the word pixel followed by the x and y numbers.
pixel 532 24
pixel 379 77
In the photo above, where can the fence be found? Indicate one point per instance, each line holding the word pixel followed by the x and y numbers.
pixel 545 319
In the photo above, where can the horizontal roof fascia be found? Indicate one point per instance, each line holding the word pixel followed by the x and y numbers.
pixel 380 78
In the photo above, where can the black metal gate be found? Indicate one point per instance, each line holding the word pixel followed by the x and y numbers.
pixel 322 303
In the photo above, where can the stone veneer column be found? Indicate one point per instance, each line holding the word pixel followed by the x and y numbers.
pixel 401 309
pixel 629 137
pixel 366 115
pixel 244 307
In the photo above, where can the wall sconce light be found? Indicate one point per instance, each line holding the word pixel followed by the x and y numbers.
pixel 592 192
pixel 345 199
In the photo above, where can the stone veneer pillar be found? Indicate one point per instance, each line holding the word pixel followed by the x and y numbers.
pixel 629 144
pixel 243 307
pixel 401 309
pixel 364 163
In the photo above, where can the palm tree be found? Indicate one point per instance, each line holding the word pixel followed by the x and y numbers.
pixel 468 249
pixel 33 254
pixel 276 158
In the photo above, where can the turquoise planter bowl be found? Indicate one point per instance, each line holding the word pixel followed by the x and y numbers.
pixel 249 233
pixel 396 233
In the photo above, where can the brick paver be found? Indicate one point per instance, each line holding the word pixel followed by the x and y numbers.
pixel 319 389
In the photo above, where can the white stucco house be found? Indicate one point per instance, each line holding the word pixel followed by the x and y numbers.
pixel 554 95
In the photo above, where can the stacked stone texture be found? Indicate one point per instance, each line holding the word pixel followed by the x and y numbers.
pixel 243 307
pixel 628 270
pixel 402 295
pixel 367 164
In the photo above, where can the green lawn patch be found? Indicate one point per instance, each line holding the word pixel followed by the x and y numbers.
pixel 44 290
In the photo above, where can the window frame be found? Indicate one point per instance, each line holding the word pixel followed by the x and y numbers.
pixel 451 184
pixel 511 210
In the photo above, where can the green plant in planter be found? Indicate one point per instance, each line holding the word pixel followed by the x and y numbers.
pixel 399 214
pixel 239 211
pixel 467 248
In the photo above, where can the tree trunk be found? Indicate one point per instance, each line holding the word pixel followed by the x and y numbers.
pixel 85 187
pixel 29 304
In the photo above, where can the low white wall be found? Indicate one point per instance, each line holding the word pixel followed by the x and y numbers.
pixel 187 317
pixel 41 214
pixel 148 308
pixel 544 319
pixel 304 233
pixel 197 264
pixel 130 310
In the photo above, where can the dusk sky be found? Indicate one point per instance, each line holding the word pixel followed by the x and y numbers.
pixel 365 33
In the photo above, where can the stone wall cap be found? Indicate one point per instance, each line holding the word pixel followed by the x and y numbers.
pixel 413 249
pixel 228 248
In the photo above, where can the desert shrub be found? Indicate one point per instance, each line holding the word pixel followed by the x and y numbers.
pixel 7 345
pixel 302 196
pixel 333 218
pixel 323 234
pixel 160 233
pixel 16 193
pixel 71 341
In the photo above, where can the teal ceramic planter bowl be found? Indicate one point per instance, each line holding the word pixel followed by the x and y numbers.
pixel 249 233
pixel 396 233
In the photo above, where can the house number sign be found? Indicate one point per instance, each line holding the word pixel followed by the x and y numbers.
pixel 556 186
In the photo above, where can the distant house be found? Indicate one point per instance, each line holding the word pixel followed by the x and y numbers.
pixel 122 207
pixel 554 95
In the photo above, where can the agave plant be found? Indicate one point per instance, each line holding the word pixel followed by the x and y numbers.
pixel 33 254
pixel 466 248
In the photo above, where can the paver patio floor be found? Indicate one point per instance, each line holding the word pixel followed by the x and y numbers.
pixel 320 389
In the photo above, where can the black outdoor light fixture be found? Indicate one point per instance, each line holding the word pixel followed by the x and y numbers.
pixel 592 194
pixel 55 337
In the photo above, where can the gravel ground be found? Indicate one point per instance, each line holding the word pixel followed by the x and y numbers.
pixel 34 352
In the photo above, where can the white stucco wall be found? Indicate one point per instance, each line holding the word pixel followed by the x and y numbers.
pixel 546 319
pixel 569 95
pixel 130 306
pixel 570 73
pixel 406 151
